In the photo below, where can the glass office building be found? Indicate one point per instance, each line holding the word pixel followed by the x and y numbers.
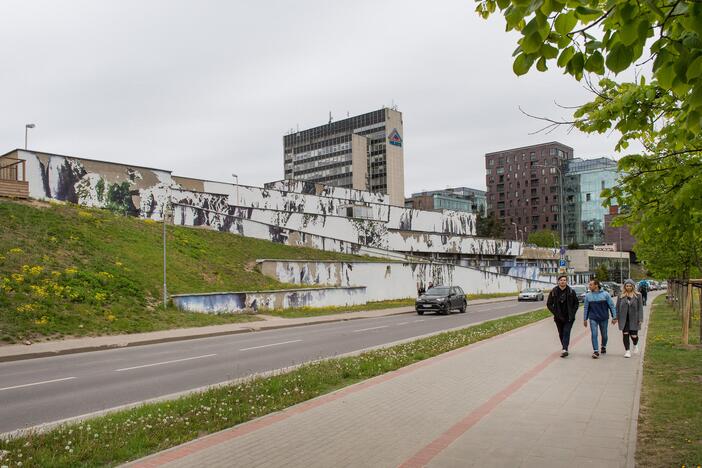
pixel 585 215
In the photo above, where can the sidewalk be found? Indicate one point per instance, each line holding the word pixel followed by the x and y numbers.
pixel 507 401
pixel 78 345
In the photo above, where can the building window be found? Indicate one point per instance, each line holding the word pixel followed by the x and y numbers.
pixel 587 197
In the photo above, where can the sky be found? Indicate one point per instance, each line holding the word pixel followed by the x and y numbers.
pixel 208 88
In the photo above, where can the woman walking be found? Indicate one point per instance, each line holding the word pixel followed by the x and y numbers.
pixel 629 316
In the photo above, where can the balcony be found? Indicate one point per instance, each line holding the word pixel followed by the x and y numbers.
pixel 13 178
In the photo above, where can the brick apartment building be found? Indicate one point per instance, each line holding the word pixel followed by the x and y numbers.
pixel 524 187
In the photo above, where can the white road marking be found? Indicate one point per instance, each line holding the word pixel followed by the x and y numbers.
pixel 403 323
pixel 164 362
pixel 372 328
pixel 268 345
pixel 37 383
pixel 421 320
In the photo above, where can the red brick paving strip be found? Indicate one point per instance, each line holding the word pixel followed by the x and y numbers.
pixel 246 428
pixel 438 445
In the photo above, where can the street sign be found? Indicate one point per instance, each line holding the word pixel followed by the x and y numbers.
pixel 562 250
pixel 562 262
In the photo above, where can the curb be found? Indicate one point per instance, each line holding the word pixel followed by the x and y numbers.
pixel 168 339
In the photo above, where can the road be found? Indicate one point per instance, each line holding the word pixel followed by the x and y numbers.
pixel 49 389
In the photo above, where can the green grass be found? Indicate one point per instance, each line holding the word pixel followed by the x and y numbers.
pixel 670 419
pixel 69 271
pixel 134 433
pixel 372 305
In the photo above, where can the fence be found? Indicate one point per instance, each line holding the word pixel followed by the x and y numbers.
pixel 13 178
pixel 681 297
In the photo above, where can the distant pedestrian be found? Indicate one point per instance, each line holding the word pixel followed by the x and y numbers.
pixel 430 285
pixel 420 289
pixel 643 289
pixel 598 306
pixel 563 304
pixel 630 316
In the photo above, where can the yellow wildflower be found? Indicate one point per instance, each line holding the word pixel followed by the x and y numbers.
pixel 16 250
pixel 56 274
pixel 26 308
pixel 19 279
pixel 71 271
pixel 111 318
pixel 38 291
pixel 42 321
pixel 100 296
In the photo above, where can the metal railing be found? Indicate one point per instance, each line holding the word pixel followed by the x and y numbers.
pixel 12 171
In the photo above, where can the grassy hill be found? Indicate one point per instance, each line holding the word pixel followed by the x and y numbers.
pixel 72 271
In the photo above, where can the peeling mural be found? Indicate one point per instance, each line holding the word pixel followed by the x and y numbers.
pixel 237 302
pixel 384 281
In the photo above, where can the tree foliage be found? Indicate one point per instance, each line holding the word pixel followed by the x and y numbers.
pixel 602 272
pixel 489 226
pixel 543 238
pixel 658 39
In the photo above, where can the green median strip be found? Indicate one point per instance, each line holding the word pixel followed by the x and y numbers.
pixel 670 418
pixel 130 434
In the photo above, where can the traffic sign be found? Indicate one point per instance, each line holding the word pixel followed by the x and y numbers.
pixel 562 262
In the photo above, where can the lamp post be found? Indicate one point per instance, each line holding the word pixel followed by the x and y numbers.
pixel 26 129
pixel 236 182
pixel 515 231
pixel 165 212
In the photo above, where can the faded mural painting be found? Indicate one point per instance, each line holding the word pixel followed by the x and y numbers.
pixel 394 280
pixel 236 302
pixel 289 212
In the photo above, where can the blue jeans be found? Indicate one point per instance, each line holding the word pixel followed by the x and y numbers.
pixel 602 324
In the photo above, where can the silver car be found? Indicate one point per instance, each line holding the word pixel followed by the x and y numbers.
pixel 531 294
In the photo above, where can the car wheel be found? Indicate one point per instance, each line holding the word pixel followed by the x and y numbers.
pixel 519 299
pixel 447 311
pixel 463 307
pixel 541 297
pixel 420 312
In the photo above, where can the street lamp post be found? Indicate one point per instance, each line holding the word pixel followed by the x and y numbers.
pixel 26 129
pixel 236 182
pixel 165 212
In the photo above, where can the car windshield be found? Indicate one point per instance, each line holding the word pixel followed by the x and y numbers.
pixel 579 289
pixel 530 290
pixel 438 292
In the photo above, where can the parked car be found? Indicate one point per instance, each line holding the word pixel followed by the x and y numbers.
pixel 441 299
pixel 664 285
pixel 580 291
pixel 531 294
pixel 612 288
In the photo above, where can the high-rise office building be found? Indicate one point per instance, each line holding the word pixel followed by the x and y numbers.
pixel 364 152
pixel 524 187
pixel 584 181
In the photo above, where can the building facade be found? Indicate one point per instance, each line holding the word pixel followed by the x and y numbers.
pixel 584 182
pixel 455 199
pixel 524 187
pixel 364 152
pixel 618 235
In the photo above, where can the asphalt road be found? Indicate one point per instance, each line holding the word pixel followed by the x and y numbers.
pixel 50 389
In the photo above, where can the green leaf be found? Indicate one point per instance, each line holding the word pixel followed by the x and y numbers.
pixel 531 43
pixel 595 64
pixel 541 65
pixel 695 97
pixel 587 14
pixel 565 22
pixel 522 64
pixel 576 64
pixel 565 56
pixel 665 75
pixel 694 70
pixel 548 52
pixel 503 4
pixel 619 58
pixel 629 33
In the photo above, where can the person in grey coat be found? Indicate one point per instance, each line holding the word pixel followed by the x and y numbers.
pixel 629 316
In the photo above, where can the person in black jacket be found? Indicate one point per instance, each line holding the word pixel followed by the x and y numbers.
pixel 563 304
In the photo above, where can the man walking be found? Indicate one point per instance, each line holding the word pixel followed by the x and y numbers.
pixel 643 289
pixel 598 306
pixel 563 304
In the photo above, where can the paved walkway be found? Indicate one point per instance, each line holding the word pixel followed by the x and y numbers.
pixel 508 401
pixel 76 345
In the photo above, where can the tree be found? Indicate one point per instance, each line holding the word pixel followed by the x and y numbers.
pixel 543 238
pixel 489 226
pixel 602 272
pixel 594 38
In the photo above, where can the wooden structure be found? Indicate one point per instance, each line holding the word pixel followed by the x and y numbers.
pixel 13 178
pixel 681 296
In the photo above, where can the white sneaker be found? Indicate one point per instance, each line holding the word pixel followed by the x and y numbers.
pixel 627 354
pixel 636 349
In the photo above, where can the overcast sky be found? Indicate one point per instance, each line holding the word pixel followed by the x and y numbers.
pixel 208 88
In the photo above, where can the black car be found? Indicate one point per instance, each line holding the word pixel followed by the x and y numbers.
pixel 442 299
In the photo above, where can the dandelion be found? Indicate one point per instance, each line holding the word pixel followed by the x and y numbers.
pixel 16 251
pixel 111 318
pixel 38 291
pixel 19 279
pixel 25 308
pixel 105 275
pixel 70 271
pixel 100 296
pixel 42 321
